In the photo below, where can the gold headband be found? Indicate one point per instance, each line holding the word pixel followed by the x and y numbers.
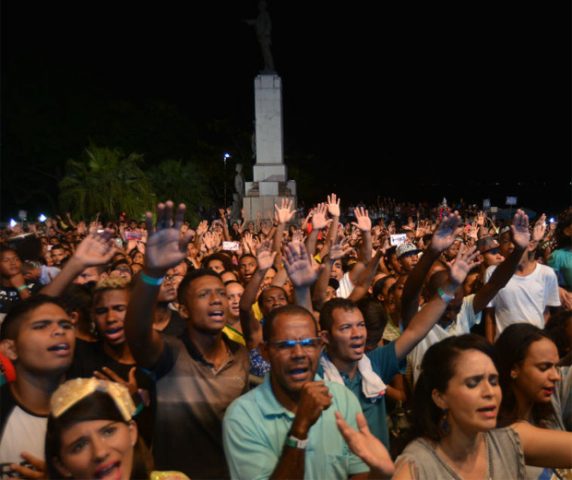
pixel 72 391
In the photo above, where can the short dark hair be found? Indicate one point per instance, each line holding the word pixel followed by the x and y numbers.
pixel 222 257
pixel 437 369
pixel 326 314
pixel 260 299
pixel 19 311
pixel 511 348
pixel 556 330
pixel 284 310
pixel 190 278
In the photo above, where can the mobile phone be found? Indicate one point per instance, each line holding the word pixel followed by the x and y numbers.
pixel 398 239
pixel 133 235
pixel 231 246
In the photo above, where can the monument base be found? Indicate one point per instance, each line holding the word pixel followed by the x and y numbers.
pixel 261 197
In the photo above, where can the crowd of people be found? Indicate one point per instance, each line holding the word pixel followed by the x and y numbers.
pixel 416 341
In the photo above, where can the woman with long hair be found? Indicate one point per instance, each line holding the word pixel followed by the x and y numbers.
pixel 455 407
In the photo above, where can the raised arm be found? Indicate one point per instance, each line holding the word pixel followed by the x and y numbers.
pixel 363 222
pixel 95 249
pixel 442 239
pixel 251 328
pixel 365 278
pixel 299 266
pixel 425 318
pixel 166 248
pixel 319 222
pixel 503 273
pixel 282 215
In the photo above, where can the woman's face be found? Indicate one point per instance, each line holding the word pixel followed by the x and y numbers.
pixel 473 394
pixel 535 379
pixel 100 449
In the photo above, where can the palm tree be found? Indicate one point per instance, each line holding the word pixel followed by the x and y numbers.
pixel 182 182
pixel 104 180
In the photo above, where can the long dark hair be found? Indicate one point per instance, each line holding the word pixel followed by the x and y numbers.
pixel 96 406
pixel 437 368
pixel 511 349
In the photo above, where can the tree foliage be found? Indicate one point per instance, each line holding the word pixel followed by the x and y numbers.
pixel 107 181
pixel 182 182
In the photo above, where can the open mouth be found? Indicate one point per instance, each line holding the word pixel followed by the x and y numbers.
pixel 61 349
pixel 298 374
pixel 114 333
pixel 217 315
pixel 548 391
pixel 358 347
pixel 109 471
pixel 489 411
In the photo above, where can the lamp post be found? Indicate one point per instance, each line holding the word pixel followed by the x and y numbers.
pixel 224 158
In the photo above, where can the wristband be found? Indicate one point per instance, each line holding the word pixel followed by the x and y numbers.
pixel 151 280
pixel 294 442
pixel 22 287
pixel 445 296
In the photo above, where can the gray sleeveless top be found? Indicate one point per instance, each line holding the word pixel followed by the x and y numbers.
pixel 506 459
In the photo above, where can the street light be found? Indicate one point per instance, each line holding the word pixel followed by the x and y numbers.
pixel 224 158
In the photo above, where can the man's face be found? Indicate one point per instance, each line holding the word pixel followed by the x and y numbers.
pixel 205 304
pixel 408 262
pixel 493 257
pixel 272 298
pixel 45 341
pixel 291 368
pixel 234 293
pixel 247 267
pixel 346 340
pixel 109 315
pixel 90 274
pixel 216 265
pixel 10 264
pixel 452 251
pixel 58 255
pixel 337 271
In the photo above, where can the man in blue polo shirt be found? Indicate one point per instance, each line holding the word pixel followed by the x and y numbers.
pixel 286 427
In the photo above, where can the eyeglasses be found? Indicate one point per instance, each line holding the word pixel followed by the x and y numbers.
pixel 306 343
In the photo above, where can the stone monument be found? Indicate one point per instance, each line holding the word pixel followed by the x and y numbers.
pixel 270 179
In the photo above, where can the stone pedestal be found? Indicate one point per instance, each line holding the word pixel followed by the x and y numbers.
pixel 270 178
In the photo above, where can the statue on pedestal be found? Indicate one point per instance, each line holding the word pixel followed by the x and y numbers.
pixel 238 194
pixel 263 27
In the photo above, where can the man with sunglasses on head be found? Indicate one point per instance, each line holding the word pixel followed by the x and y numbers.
pixel 286 427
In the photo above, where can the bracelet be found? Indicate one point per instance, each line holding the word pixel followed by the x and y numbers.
pixel 294 442
pixel 445 296
pixel 152 280
pixel 22 287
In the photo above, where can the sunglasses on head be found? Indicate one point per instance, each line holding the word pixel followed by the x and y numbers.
pixel 493 251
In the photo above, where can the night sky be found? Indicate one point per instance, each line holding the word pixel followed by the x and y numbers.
pixel 410 99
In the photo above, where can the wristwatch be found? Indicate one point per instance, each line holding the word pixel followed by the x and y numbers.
pixel 294 442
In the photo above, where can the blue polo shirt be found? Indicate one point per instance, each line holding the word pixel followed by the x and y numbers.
pixel 384 362
pixel 256 425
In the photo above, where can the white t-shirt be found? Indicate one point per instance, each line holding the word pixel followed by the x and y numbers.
pixel 466 319
pixel 346 286
pixel 524 298
pixel 24 432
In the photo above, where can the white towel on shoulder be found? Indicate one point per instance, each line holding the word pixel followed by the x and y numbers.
pixel 372 385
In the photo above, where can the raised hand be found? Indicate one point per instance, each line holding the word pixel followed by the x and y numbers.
pixel 480 219
pixel 264 255
pixel 444 236
pixel 459 268
pixel 210 241
pixel 298 265
pixel 166 247
pixel 95 249
pixel 110 375
pixel 284 212
pixel 519 229
pixel 363 222
pixel 365 445
pixel 248 243
pixel 539 229
pixel 333 205
pixel 319 217
pixel 203 227
pixel 37 471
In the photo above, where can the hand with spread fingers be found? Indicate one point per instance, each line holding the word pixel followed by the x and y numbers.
pixel 165 248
